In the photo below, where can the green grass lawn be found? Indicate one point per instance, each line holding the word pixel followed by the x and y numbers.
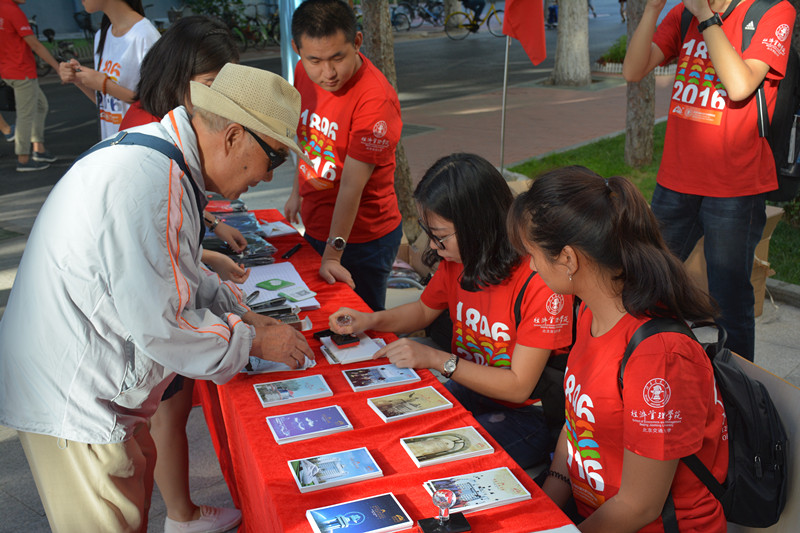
pixel 606 157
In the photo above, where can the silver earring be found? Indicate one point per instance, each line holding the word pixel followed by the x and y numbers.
pixel 569 276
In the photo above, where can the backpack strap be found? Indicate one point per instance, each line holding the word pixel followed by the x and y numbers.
pixel 518 301
pixel 166 148
pixel 648 329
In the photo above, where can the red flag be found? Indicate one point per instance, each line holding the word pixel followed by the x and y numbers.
pixel 524 21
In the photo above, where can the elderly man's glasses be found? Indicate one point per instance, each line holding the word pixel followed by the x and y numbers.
pixel 438 240
pixel 276 159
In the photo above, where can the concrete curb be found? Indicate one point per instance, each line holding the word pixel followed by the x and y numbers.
pixel 783 292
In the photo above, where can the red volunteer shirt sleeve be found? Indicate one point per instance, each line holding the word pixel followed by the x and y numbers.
pixel 668 391
pixel 668 34
pixel 436 293
pixel 771 42
pixel 375 131
pixel 546 317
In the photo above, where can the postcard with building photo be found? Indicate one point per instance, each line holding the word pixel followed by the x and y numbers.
pixel 376 377
pixel 408 403
pixel 445 446
pixel 292 390
pixel 334 469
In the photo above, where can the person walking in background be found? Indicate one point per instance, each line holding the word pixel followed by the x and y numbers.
pixel 7 129
pixel 622 9
pixel 18 69
pixel 122 41
pixel 349 127
pixel 716 169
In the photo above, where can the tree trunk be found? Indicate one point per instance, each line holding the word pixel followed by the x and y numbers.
pixel 572 51
pixel 641 104
pixel 379 48
pixel 450 6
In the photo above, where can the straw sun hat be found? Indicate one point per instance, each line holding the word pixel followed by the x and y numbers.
pixel 254 98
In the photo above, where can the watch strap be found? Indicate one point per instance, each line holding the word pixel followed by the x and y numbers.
pixel 715 20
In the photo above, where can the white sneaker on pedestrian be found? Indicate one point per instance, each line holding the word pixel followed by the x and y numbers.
pixel 212 520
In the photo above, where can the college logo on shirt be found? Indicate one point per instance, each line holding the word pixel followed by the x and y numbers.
pixel 555 304
pixel 380 128
pixel 656 393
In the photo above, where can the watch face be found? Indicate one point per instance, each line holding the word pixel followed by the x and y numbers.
pixel 337 243
pixel 450 366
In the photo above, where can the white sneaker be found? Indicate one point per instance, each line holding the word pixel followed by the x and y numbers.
pixel 212 520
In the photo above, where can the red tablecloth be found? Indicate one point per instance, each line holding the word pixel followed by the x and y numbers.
pixel 255 466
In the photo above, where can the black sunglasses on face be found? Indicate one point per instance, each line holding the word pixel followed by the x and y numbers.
pixel 276 159
pixel 438 240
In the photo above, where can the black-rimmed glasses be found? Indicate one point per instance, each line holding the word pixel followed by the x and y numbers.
pixel 276 159
pixel 438 240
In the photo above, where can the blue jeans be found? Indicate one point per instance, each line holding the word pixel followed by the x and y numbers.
pixel 732 228
pixel 370 264
pixel 522 432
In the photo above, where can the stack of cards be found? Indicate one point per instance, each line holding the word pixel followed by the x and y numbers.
pixel 308 424
pixel 376 377
pixel 292 390
pixel 444 446
pixel 481 490
pixel 376 514
pixel 408 403
pixel 334 469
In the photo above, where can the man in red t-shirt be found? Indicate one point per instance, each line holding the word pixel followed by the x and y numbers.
pixel 349 127
pixel 715 168
pixel 18 70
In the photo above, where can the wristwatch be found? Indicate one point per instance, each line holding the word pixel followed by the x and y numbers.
pixel 709 22
pixel 337 243
pixel 450 366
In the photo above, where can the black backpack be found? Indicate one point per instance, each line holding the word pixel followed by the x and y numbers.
pixel 782 131
pixel 754 492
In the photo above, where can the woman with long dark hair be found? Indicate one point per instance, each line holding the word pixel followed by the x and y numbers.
pixel 619 453
pixel 122 41
pixel 506 321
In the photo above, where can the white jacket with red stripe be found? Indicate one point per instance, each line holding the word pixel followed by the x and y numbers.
pixel 110 299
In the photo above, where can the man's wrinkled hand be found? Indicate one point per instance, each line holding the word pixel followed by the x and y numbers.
pixel 281 343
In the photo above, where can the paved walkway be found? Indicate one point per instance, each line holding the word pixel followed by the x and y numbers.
pixel 540 120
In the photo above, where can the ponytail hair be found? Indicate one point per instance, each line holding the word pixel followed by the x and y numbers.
pixel 609 221
pixel 105 24
pixel 468 191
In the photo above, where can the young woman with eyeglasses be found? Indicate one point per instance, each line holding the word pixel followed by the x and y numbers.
pixel 495 359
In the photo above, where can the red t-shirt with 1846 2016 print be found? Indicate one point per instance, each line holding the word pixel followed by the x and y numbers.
pixel 669 408
pixel 361 120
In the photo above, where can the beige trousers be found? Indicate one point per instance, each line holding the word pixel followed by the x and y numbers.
pixel 93 487
pixel 31 112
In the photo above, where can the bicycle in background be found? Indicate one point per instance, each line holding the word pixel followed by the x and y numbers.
pixel 419 11
pixel 459 24
pixel 63 50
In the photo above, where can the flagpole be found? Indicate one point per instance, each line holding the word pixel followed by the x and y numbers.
pixel 503 115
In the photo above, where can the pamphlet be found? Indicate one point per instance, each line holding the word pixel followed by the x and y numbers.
pixel 334 469
pixel 351 353
pixel 408 403
pixel 481 490
pixel 376 514
pixel 308 424
pixel 444 446
pixel 292 390
pixel 376 377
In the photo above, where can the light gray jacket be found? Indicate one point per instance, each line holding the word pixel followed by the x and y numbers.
pixel 110 299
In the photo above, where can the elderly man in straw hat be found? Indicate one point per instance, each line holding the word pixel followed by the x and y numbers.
pixel 127 302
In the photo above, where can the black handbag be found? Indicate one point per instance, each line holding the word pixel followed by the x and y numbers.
pixel 7 102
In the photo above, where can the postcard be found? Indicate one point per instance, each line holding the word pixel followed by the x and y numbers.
pixel 292 390
pixel 308 424
pixel 376 514
pixel 444 446
pixel 481 490
pixel 352 353
pixel 375 377
pixel 408 403
pixel 334 469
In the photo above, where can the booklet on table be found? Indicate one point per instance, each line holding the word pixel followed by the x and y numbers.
pixel 334 469
pixel 308 424
pixel 292 390
pixel 376 514
pixel 408 403
pixel 481 490
pixel 444 446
